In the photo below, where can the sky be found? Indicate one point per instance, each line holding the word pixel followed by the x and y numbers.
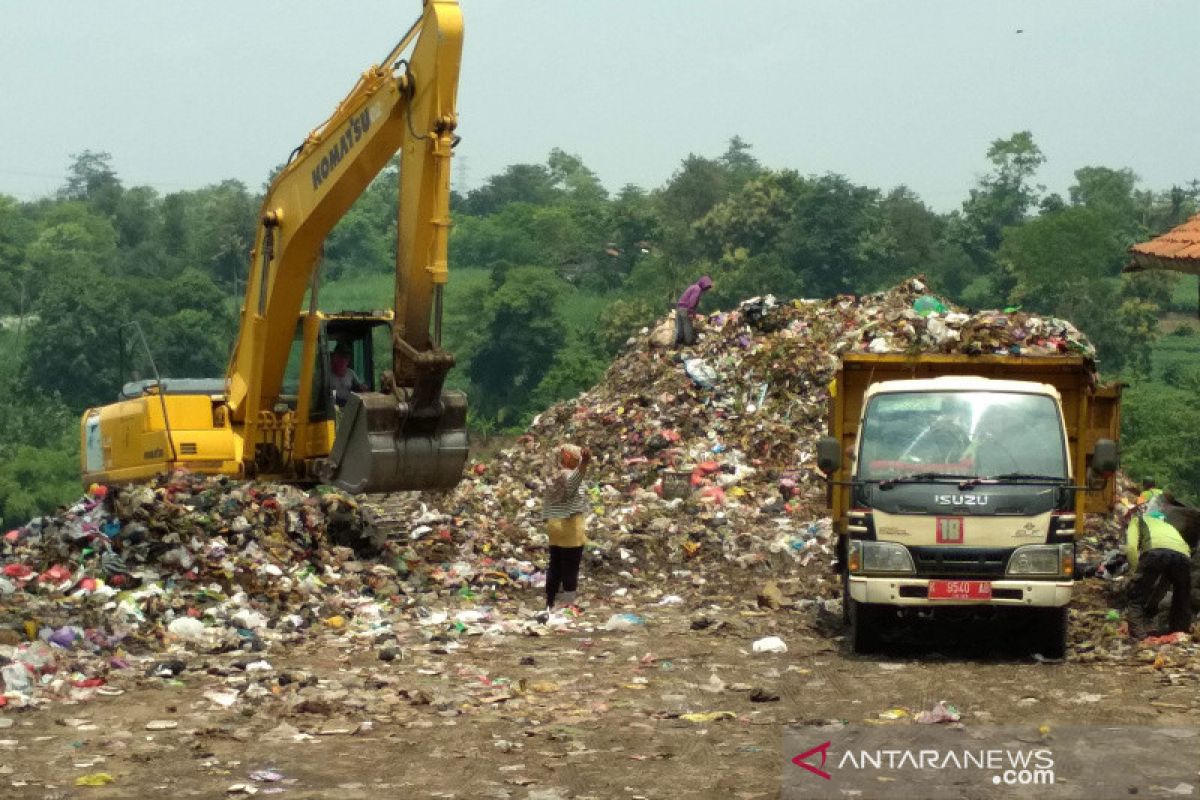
pixel 187 94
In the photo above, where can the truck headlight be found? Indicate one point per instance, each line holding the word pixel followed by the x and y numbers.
pixel 1042 559
pixel 868 556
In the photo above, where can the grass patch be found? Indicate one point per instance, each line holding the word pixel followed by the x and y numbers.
pixel 1183 295
pixel 1172 351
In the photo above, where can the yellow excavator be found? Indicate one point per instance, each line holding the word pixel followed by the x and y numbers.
pixel 278 413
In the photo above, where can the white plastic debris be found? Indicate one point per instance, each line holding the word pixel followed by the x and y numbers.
pixel 770 644
pixel 187 628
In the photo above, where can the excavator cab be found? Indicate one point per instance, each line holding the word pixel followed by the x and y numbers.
pixel 385 438
pixel 379 438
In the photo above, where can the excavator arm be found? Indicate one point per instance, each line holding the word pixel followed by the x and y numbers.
pixel 411 435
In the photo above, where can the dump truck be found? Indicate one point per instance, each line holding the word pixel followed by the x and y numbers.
pixel 960 483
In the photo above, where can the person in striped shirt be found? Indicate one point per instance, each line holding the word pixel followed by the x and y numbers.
pixel 563 508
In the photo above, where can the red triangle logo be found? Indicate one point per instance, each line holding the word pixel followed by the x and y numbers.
pixel 802 760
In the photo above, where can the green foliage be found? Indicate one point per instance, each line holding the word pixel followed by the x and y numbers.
pixel 17 230
pixel 739 164
pixel 1139 325
pixel 695 188
pixel 634 229
pixel 1160 436
pixel 522 333
pixel 364 240
pixel 91 179
pixel 219 232
pixel 1108 192
pixel 578 183
pixel 1181 376
pixel 623 318
pixel 39 462
pixel 1004 196
pixel 1063 252
pixel 551 274
pixel 36 480
pixel 495 242
pixel 1156 287
pixel 73 346
pixel 576 368
pixel 519 183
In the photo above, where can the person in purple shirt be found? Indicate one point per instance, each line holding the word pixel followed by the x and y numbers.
pixel 689 301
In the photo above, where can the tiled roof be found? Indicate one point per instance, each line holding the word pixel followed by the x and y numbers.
pixel 1177 249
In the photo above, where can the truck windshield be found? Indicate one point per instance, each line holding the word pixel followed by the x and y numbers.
pixel 969 434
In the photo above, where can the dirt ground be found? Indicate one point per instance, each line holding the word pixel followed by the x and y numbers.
pixel 579 712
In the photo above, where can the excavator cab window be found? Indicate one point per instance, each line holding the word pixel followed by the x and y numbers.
pixel 348 349
pixel 320 406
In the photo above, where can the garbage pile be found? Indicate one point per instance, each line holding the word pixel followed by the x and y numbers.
pixel 707 454
pixel 704 485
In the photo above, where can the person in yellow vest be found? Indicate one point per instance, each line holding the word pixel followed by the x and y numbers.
pixel 1156 551
pixel 564 507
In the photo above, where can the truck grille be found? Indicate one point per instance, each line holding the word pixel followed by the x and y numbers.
pixel 960 562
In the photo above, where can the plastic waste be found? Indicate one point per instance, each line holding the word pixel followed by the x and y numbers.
pixel 266 776
pixel 623 622
pixel 940 713
pixel 770 644
pixel 16 679
pixel 187 628
pixel 699 371
pixel 1179 637
pixel 928 304
pixel 708 716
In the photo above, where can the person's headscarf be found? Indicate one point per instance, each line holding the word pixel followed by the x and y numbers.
pixel 555 477
pixel 568 452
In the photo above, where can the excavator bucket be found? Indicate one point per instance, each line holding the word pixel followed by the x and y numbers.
pixel 383 446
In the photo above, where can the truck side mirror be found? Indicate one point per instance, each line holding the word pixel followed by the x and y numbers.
pixel 829 454
pixel 1105 458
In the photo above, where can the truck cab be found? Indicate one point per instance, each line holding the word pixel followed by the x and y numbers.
pixel 961 491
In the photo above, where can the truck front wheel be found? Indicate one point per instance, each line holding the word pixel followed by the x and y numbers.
pixel 864 626
pixel 1050 632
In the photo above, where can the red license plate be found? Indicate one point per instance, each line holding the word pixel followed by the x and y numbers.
pixel 960 590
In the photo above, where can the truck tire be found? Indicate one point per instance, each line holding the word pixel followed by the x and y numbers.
pixel 864 626
pixel 1050 632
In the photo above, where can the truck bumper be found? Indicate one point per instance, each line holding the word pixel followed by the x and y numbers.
pixel 914 592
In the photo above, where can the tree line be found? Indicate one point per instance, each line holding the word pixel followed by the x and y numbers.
pixel 77 268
